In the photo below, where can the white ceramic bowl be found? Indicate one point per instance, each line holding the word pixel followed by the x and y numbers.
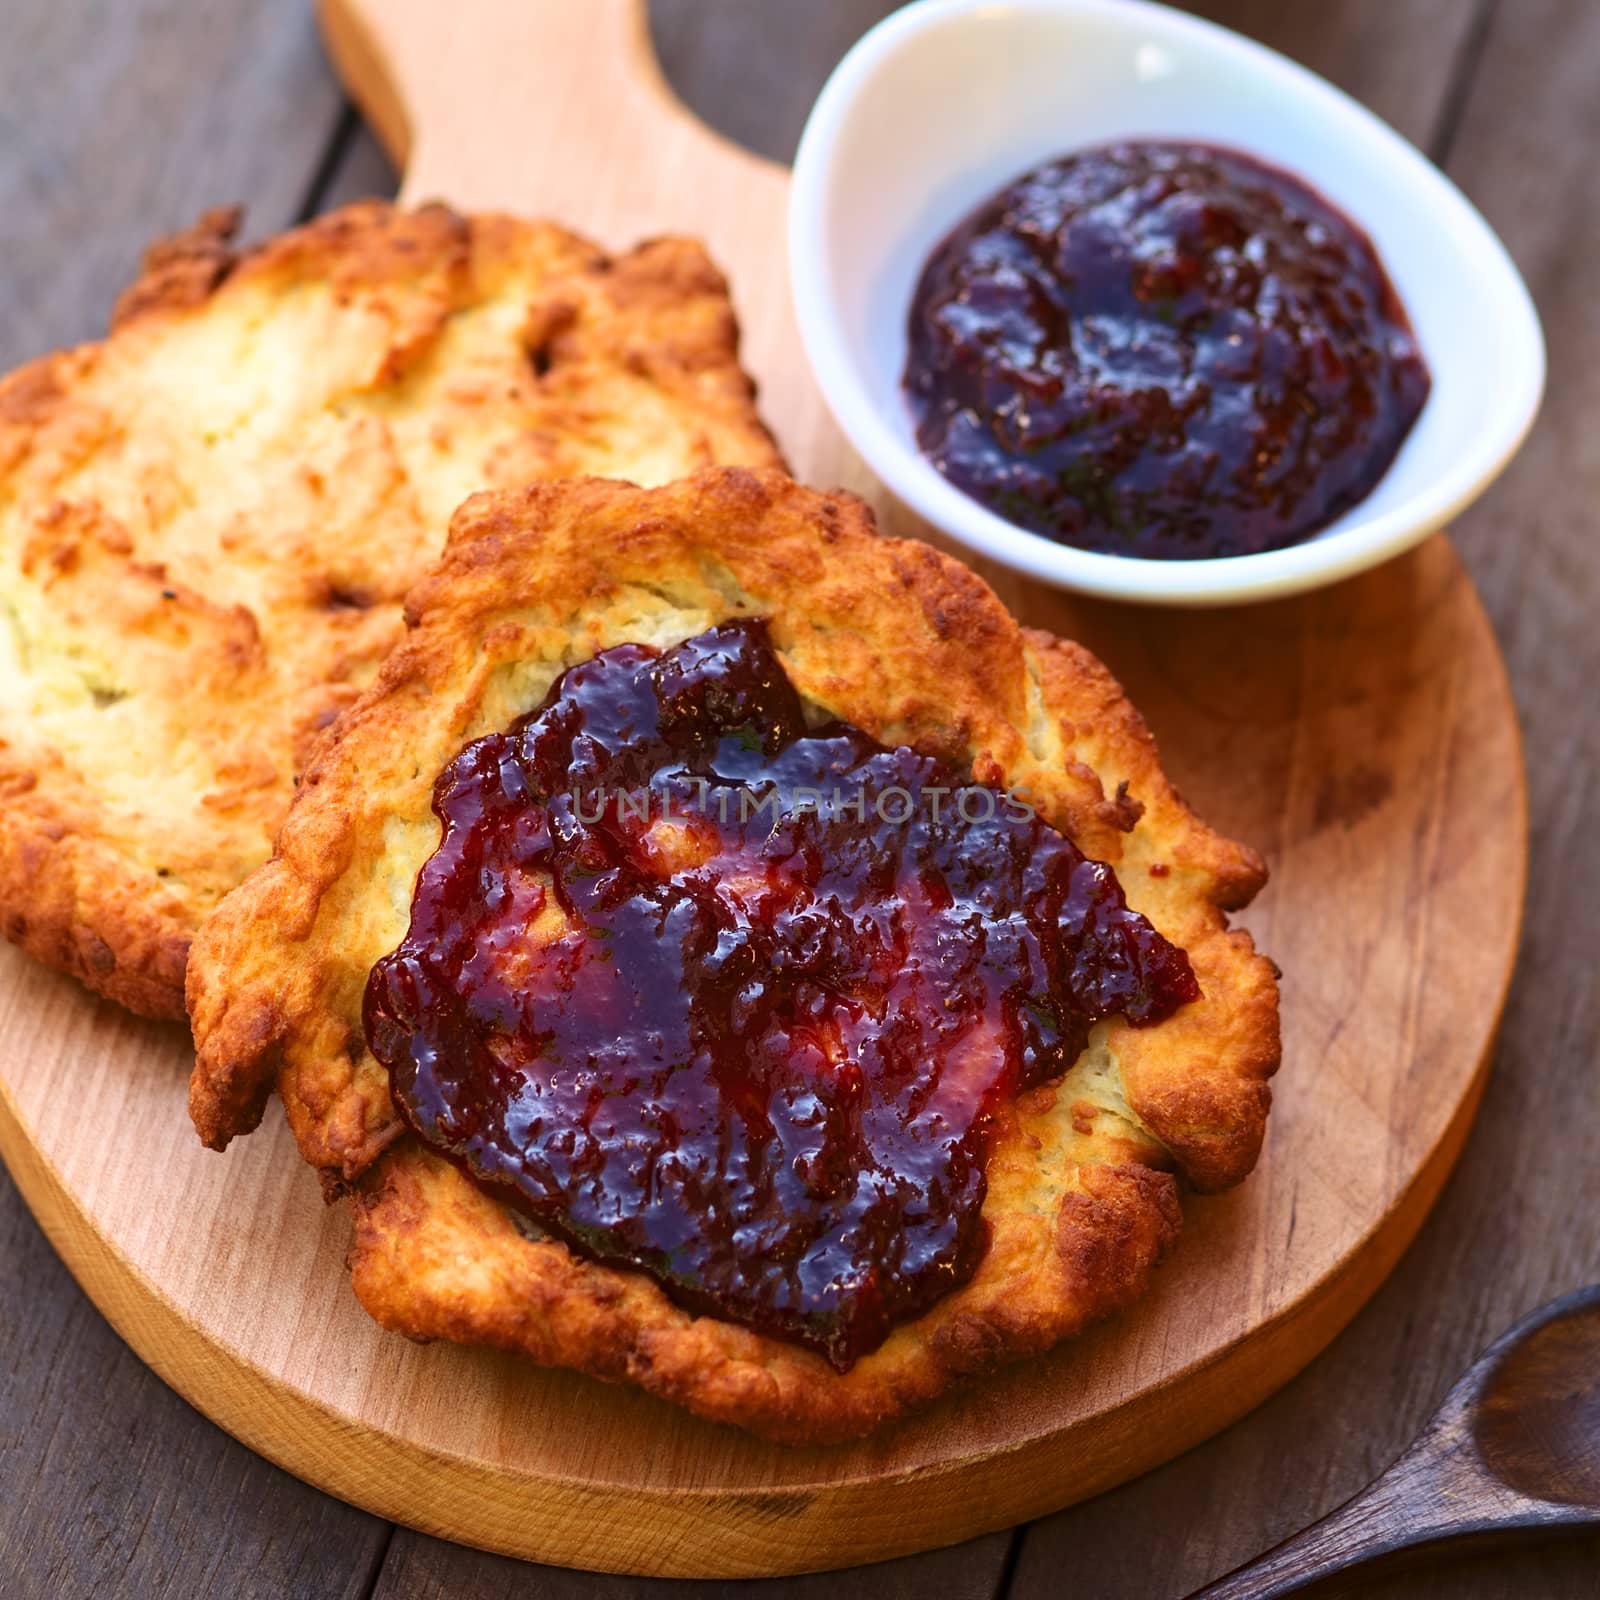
pixel 947 100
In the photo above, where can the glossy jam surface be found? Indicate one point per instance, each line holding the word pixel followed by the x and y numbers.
pixel 754 1046
pixel 1161 350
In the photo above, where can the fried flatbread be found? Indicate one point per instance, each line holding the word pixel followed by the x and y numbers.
pixel 891 636
pixel 208 523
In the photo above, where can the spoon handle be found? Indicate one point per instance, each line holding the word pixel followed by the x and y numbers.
pixel 1522 1424
pixel 1432 1495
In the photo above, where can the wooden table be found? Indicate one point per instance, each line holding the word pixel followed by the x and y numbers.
pixel 120 121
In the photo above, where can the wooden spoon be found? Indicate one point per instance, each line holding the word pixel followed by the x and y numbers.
pixel 1514 1451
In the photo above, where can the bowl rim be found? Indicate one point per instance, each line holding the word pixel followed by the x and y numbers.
pixel 1323 559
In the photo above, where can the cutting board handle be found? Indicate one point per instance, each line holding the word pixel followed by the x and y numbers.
pixel 463 93
pixel 558 108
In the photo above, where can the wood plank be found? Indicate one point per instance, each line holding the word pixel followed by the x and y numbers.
pixel 361 171
pixel 110 1484
pixel 1361 1392
pixel 1525 1221
pixel 1521 1220
pixel 118 122
pixel 750 72
pixel 419 1568
pixel 753 71
pixel 122 121
pixel 1410 65
pixel 1401 60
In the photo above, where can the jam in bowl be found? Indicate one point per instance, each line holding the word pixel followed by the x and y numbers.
pixel 1161 350
pixel 1118 472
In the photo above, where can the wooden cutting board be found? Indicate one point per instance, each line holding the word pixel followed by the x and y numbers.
pixel 1363 738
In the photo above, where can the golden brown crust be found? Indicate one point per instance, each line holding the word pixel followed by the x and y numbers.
pixel 223 505
pixel 1212 1116
pixel 435 1258
pixel 889 635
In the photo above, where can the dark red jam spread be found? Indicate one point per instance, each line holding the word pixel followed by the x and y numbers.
pixel 755 1048
pixel 1161 350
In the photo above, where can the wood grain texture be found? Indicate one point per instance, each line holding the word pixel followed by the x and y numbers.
pixel 111 1483
pixel 1517 1223
pixel 752 72
pixel 1512 1455
pixel 360 169
pixel 1521 1219
pixel 420 1568
pixel 1406 62
pixel 121 120
pixel 118 121
pixel 726 64
pixel 1362 738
